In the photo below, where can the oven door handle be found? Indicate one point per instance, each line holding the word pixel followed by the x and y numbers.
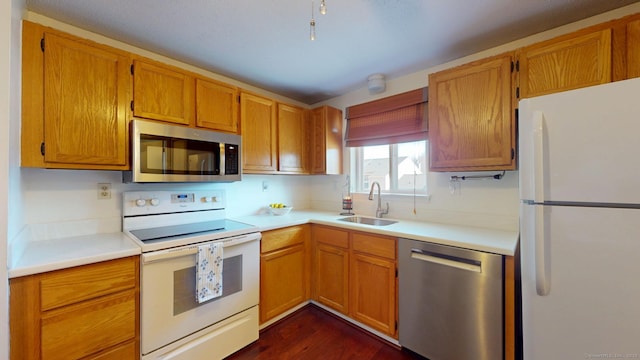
pixel 193 249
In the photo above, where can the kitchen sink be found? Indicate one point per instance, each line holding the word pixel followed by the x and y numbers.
pixel 368 221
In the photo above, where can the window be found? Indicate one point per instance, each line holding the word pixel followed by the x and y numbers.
pixel 388 143
pixel 398 168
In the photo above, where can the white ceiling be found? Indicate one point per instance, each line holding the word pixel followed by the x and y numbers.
pixel 266 43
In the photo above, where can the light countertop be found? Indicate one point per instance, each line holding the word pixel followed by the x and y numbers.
pixel 47 255
pixel 501 242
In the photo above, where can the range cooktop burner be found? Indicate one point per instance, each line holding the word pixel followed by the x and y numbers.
pixel 164 232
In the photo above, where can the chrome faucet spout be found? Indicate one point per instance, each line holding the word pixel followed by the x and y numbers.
pixel 379 211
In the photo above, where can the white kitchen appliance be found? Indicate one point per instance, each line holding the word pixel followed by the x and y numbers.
pixel 580 223
pixel 170 226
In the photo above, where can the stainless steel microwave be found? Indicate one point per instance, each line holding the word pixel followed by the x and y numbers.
pixel 170 153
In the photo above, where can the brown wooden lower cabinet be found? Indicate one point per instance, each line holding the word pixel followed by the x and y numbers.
pixel 355 274
pixel 331 267
pixel 373 292
pixel 284 270
pixel 88 312
pixel 331 277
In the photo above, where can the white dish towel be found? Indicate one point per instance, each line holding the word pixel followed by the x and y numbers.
pixel 209 271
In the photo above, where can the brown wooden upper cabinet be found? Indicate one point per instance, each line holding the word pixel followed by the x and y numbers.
pixel 293 140
pixel 326 141
pixel 162 92
pixel 216 106
pixel 471 122
pixel 565 63
pixel 258 122
pixel 633 49
pixel 74 102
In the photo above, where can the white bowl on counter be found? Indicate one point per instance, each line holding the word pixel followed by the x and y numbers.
pixel 280 211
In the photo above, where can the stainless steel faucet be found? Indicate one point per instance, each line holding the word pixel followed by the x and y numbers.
pixel 379 211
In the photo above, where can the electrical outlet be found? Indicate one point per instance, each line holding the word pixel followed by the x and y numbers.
pixel 104 191
pixel 265 186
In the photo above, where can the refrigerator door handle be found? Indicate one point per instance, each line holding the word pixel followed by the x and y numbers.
pixel 538 157
pixel 542 267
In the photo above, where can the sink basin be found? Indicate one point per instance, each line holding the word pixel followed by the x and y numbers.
pixel 368 221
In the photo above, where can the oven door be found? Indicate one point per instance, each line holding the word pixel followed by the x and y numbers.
pixel 169 307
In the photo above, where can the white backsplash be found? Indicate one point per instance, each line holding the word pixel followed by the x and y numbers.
pixel 60 203
pixel 484 203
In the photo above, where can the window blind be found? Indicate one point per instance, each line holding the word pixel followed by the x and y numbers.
pixel 391 120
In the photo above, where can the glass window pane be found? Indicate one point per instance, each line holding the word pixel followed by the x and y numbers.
pixel 412 167
pixel 405 173
pixel 375 166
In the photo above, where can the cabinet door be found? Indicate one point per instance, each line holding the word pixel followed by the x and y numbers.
pixel 326 141
pixel 566 63
pixel 633 49
pixel 373 292
pixel 293 138
pixel 86 328
pixel 471 118
pixel 283 281
pixel 216 106
pixel 259 137
pixel 331 277
pixel 162 93
pixel 86 91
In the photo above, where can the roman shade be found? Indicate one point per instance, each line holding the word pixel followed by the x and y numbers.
pixel 391 120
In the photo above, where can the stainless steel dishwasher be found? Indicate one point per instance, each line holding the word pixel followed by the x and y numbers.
pixel 451 302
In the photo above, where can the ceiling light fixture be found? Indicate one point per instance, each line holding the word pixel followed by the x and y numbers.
pixel 376 83
pixel 312 23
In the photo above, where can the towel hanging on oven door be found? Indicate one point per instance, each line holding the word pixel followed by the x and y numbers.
pixel 209 271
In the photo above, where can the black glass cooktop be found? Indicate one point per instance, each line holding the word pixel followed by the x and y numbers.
pixel 173 232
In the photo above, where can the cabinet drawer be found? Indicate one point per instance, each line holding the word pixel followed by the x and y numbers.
pixel 374 245
pixel 69 286
pixel 331 236
pixel 80 330
pixel 126 351
pixel 282 238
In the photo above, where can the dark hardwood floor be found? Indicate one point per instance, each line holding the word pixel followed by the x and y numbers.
pixel 312 333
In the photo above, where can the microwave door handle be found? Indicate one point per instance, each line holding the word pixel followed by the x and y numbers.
pixel 164 159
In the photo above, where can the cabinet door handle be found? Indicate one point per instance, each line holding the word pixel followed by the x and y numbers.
pixel 419 255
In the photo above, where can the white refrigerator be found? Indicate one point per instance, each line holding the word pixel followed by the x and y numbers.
pixel 579 174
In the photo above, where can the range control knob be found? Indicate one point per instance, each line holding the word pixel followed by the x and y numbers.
pixel 154 202
pixel 214 199
pixel 141 202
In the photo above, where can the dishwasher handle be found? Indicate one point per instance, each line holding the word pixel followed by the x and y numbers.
pixel 451 261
